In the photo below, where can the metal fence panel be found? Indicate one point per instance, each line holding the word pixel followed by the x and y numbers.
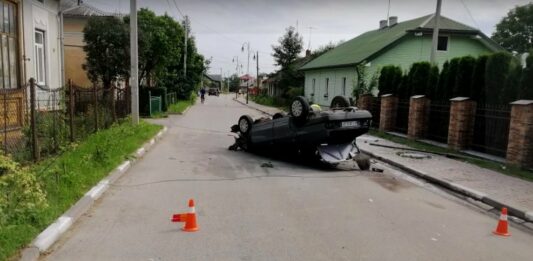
pixel 375 110
pixel 402 117
pixel 491 129
pixel 439 120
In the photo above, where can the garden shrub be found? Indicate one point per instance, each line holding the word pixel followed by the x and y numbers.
pixel 496 73
pixel 21 195
pixel 477 88
pixel 464 76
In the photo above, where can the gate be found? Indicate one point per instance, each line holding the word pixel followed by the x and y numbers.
pixel 375 110
pixel 491 129
pixel 402 117
pixel 439 119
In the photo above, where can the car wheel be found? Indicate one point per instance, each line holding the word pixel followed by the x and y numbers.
pixel 300 108
pixel 339 102
pixel 245 124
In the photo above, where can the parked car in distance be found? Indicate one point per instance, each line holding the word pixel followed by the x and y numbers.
pixel 213 91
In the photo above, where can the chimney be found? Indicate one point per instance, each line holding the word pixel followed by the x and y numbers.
pixel 382 24
pixel 307 52
pixel 393 20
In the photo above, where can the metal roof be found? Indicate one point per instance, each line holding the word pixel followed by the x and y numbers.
pixel 83 9
pixel 367 44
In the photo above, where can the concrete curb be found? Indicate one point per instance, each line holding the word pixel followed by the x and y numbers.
pixel 53 232
pixel 460 189
pixel 252 107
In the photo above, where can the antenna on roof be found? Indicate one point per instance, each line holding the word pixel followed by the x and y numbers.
pixel 310 28
pixel 388 11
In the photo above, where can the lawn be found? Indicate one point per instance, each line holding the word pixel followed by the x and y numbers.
pixel 483 163
pixel 67 177
pixel 179 107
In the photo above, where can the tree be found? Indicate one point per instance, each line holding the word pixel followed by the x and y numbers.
pixel 496 73
pixel 477 89
pixel 290 46
pixel 107 49
pixel 526 83
pixel 389 80
pixel 441 93
pixel 419 79
pixel 234 83
pixel 463 78
pixel 160 39
pixel 514 32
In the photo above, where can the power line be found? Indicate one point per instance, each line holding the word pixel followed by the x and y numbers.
pixel 469 13
pixel 177 7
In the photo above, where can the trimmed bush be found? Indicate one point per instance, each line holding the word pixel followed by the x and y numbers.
pixel 477 88
pixel 419 79
pixel 390 79
pixel 463 79
pixel 496 73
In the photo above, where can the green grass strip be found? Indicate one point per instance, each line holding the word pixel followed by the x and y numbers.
pixel 180 106
pixel 68 177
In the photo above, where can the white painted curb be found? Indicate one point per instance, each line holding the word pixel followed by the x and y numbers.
pixel 53 232
pixel 471 192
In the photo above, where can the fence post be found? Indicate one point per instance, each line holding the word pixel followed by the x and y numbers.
pixel 34 140
pixel 520 145
pixel 418 117
pixel 389 109
pixel 461 126
pixel 71 109
pixel 95 97
pixel 150 103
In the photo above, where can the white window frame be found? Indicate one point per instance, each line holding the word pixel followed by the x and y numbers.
pixel 447 43
pixel 343 86
pixel 40 58
pixel 313 87
pixel 326 94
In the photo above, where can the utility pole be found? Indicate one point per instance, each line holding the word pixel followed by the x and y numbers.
pixel 134 59
pixel 257 64
pixel 247 70
pixel 186 23
pixel 433 57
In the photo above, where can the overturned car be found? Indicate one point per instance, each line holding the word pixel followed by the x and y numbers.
pixel 327 135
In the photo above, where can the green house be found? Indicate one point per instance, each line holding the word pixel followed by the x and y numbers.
pixel 402 44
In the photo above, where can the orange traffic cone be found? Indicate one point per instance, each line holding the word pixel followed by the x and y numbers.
pixel 189 218
pixel 502 228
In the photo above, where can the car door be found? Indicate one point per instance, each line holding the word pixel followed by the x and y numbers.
pixel 282 131
pixel 262 132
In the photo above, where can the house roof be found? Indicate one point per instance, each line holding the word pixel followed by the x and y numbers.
pixel 82 10
pixel 214 77
pixel 367 44
pixel 246 77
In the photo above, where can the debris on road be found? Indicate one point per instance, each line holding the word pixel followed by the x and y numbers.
pixel 267 165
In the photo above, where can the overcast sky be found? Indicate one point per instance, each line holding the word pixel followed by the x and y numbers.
pixel 222 26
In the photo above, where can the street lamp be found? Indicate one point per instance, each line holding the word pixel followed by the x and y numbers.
pixel 247 68
pixel 236 59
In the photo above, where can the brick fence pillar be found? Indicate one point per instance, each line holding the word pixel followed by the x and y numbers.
pixel 418 117
pixel 387 116
pixel 461 127
pixel 520 146
pixel 365 102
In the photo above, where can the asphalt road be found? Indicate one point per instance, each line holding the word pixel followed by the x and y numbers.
pixel 288 212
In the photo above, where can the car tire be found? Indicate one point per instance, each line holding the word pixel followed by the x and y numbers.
pixel 245 124
pixel 339 102
pixel 300 108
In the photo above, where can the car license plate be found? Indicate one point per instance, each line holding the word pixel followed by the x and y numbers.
pixel 350 124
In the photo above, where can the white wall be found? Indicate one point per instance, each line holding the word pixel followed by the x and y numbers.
pixel 43 17
pixel 335 84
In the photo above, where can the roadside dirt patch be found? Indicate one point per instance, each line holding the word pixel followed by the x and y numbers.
pixel 391 183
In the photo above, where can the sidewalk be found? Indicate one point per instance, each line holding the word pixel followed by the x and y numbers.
pixel 262 108
pixel 487 186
